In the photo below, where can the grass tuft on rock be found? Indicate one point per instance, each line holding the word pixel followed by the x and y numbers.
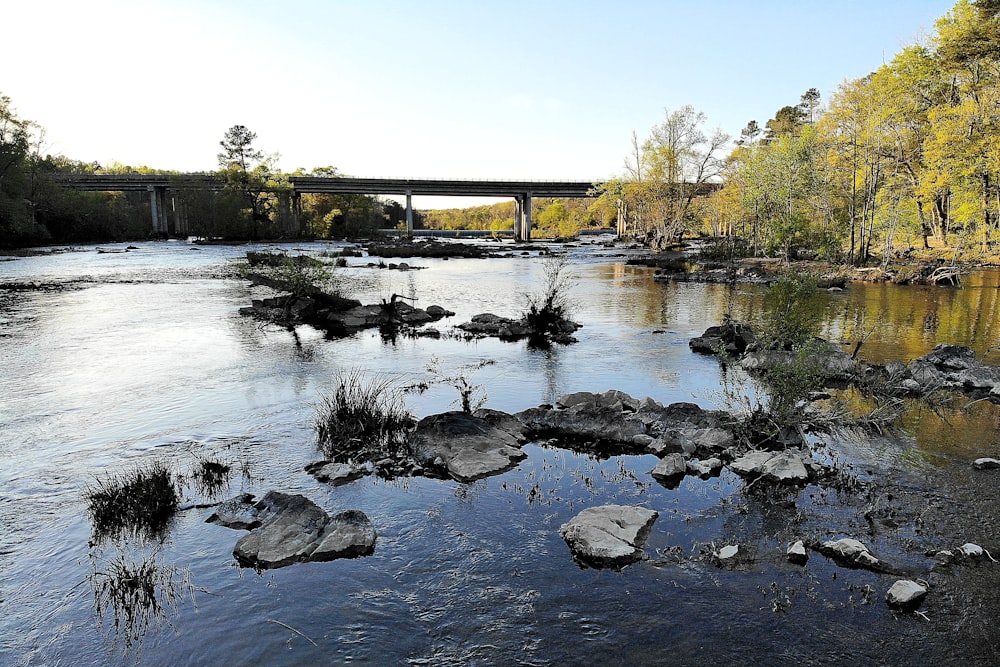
pixel 140 501
pixel 363 420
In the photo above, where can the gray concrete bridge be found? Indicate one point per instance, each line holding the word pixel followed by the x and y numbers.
pixel 158 185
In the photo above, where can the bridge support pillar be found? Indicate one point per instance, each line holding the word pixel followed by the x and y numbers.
pixel 522 217
pixel 526 219
pixel 518 213
pixel 158 209
pixel 409 213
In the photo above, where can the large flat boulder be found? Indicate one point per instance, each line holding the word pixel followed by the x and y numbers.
pixel 463 446
pixel 608 536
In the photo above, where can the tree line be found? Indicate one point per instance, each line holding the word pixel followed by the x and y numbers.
pixel 35 208
pixel 905 157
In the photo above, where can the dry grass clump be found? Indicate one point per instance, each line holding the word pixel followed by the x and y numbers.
pixel 140 501
pixel 363 420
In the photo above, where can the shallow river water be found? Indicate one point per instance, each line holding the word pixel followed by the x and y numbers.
pixel 116 359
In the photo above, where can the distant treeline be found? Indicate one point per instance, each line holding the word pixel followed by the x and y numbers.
pixel 549 216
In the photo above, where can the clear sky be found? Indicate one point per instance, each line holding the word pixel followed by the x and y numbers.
pixel 456 88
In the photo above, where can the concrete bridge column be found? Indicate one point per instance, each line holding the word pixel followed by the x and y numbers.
pixel 622 216
pixel 518 217
pixel 526 219
pixel 158 208
pixel 409 213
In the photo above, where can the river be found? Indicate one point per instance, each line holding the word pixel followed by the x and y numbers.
pixel 116 359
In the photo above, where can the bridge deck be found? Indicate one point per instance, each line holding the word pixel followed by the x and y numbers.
pixel 341 185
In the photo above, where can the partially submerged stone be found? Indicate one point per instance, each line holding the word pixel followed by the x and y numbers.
pixel 786 467
pixel 238 513
pixel 608 536
pixel 670 468
pixel 348 535
pixel 986 464
pixel 333 473
pixel 751 464
pixel 727 553
pixel 797 553
pixel 905 594
pixel 853 553
pixel 294 529
pixel 463 446
pixel 706 468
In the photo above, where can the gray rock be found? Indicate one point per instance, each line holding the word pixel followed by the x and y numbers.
pixel 348 535
pixel 290 533
pixel 238 513
pixel 712 439
pixel 796 553
pixel 608 536
pixel 705 468
pixel 577 398
pixel 751 463
pixel 786 467
pixel 335 474
pixel 670 467
pixel 643 440
pixel 728 552
pixel 584 421
pixel 985 464
pixel 614 398
pixel 853 553
pixel 905 594
pixel 465 446
pixel 294 529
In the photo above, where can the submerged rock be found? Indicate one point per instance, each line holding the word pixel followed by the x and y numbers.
pixel 608 536
pixel 463 446
pixel 905 594
pixel 294 529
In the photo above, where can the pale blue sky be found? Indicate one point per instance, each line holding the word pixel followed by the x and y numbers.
pixel 504 90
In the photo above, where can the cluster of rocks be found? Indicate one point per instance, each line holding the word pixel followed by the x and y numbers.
pixel 340 316
pixel 286 529
pixel 429 248
pixel 951 367
pixel 485 325
pixel 688 439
